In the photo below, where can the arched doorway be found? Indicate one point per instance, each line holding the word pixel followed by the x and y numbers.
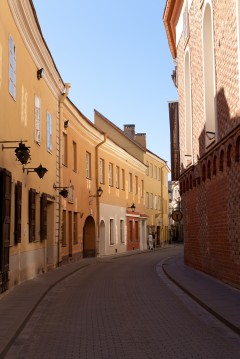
pixel 89 238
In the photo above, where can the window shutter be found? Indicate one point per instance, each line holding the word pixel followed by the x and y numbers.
pixel 18 212
pixel 5 198
pixel 49 132
pixel 32 214
pixel 43 217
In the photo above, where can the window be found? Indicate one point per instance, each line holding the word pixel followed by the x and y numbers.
pixel 88 165
pixel 130 184
pixel 122 231
pixel 155 172
pixel 155 202
pixel 43 217
pixel 74 156
pixel 12 68
pixel 75 228
pixel 123 180
pixel 32 214
pixel 209 75
pixel 111 234
pixel 151 200
pixel 49 132
pixel 101 170
pixel 64 149
pixel 117 177
pixel 110 174
pixel 18 212
pixel 64 229
pixel 142 188
pixel 151 170
pixel 37 118
pixel 159 203
pixel 188 112
pixel 147 169
pixel 159 174
pixel 136 184
pixel 147 200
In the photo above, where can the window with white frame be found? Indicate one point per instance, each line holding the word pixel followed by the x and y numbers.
pixel 49 132
pixel 110 174
pixel 188 112
pixel 209 75
pixel 88 165
pixel 101 171
pixel 37 118
pixel 111 231
pixel 12 68
pixel 64 149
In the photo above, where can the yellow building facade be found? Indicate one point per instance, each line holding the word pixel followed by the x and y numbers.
pixel 30 88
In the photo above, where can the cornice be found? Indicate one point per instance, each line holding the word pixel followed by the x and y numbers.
pixel 170 18
pixel 25 17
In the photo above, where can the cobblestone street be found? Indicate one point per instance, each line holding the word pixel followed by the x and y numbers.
pixel 123 307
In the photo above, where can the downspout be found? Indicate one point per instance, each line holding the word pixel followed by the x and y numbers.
pixel 162 196
pixel 62 98
pixel 97 184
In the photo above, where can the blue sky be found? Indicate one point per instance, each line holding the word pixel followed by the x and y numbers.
pixel 115 54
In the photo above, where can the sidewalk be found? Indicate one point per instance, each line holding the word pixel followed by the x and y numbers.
pixel 17 305
pixel 220 299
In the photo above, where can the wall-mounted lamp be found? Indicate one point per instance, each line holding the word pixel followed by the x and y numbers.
pixel 40 73
pixel 99 193
pixel 210 135
pixel 22 152
pixel 132 207
pixel 63 192
pixel 66 123
pixel 40 170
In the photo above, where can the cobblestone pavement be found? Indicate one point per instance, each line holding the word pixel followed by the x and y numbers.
pixel 123 308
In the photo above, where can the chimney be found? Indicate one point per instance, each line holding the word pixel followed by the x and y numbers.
pixel 141 139
pixel 129 130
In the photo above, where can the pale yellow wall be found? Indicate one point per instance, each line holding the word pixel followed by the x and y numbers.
pixel 17 123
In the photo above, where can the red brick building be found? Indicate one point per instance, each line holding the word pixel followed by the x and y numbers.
pixel 204 40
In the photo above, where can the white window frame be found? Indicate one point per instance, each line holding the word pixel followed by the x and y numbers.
pixel 37 119
pixel 12 69
pixel 49 132
pixel 88 165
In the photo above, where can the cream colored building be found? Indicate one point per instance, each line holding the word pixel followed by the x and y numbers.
pixel 156 172
pixel 95 225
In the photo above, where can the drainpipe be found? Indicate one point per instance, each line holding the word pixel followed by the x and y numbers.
pixel 97 184
pixel 162 195
pixel 62 98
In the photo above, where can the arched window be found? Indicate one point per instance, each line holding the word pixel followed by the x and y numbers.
pixel 221 161
pixel 188 110
pixel 229 153
pixel 237 151
pixel 204 173
pixel 215 165
pixel 209 75
pixel 209 169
